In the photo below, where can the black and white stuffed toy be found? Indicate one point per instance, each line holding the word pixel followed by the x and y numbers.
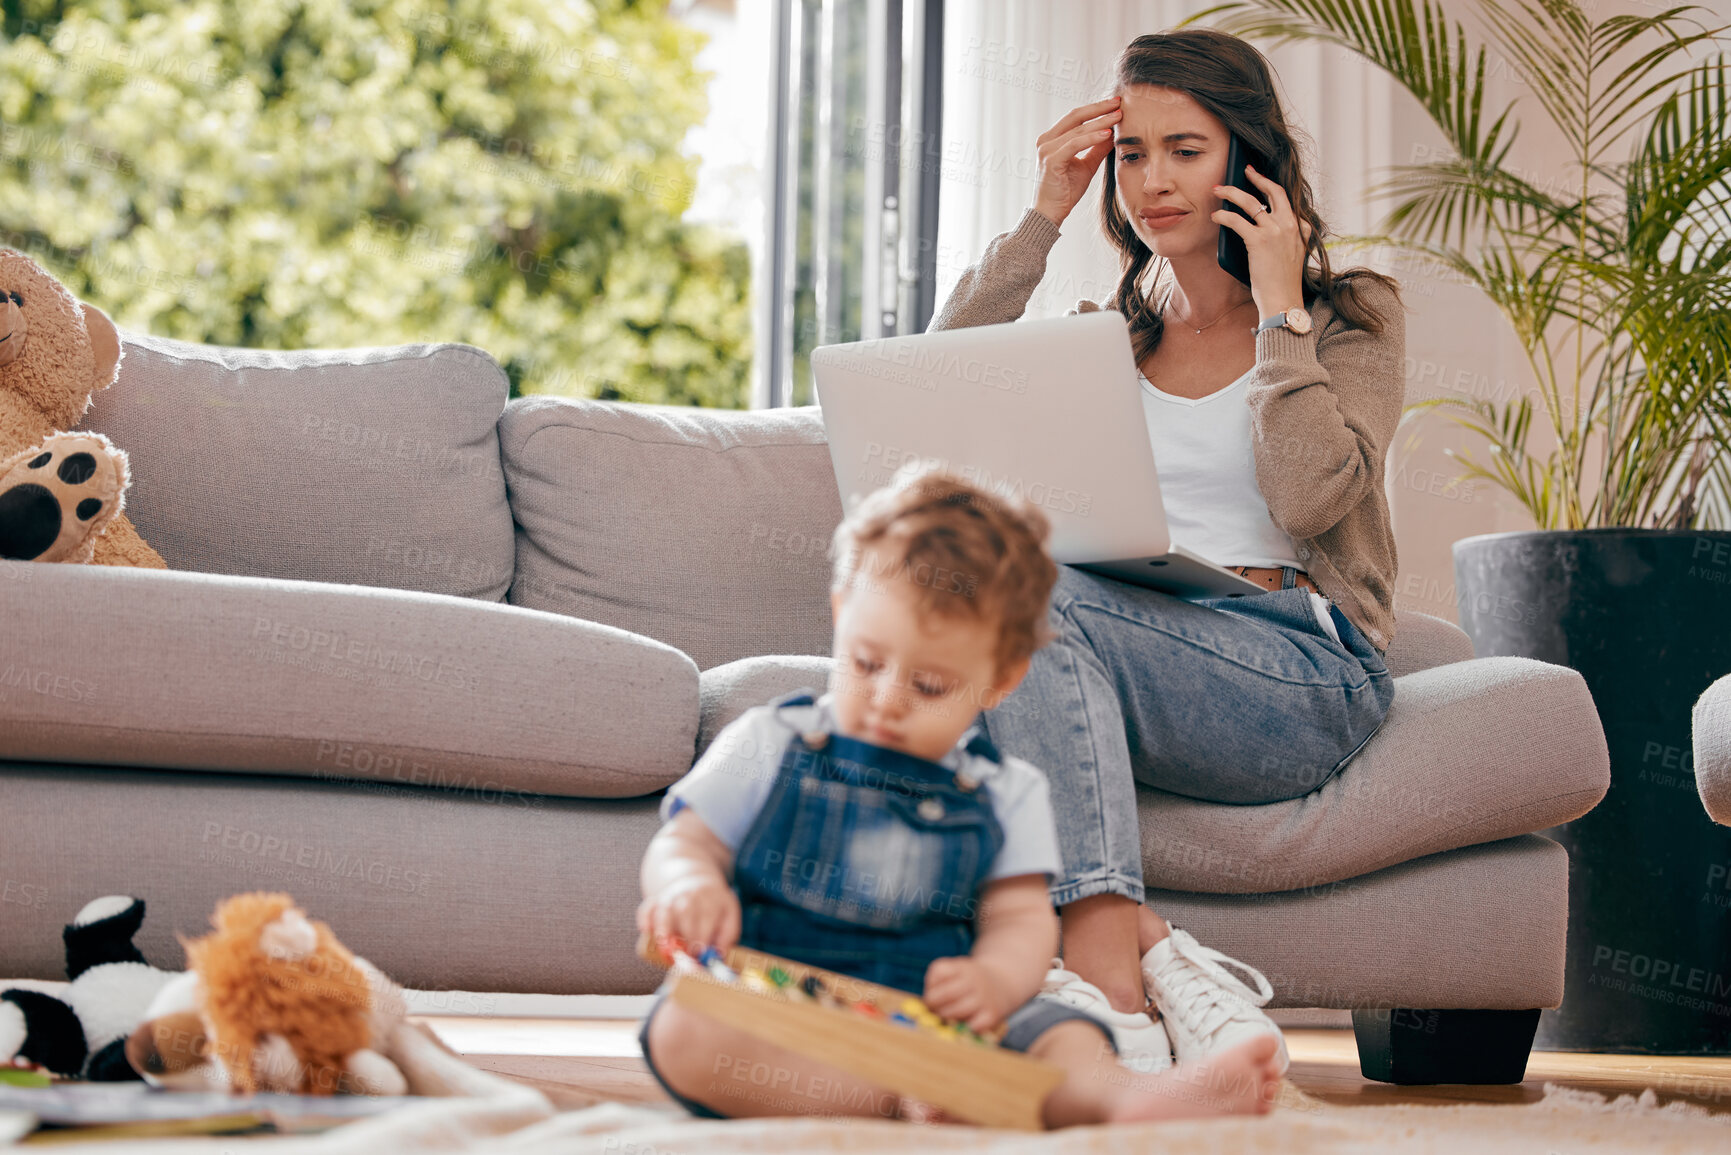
pixel 82 1032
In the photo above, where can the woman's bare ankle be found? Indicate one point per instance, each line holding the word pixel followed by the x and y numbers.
pixel 1125 998
pixel 1150 930
pixel 1100 945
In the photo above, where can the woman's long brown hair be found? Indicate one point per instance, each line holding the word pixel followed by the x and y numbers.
pixel 1233 81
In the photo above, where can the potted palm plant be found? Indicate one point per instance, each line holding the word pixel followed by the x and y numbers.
pixel 1617 282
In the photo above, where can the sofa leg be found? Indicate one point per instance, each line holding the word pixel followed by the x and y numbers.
pixel 1412 1046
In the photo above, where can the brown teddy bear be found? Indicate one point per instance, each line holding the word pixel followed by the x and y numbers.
pixel 61 493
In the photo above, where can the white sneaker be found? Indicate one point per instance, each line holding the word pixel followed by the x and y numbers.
pixel 1207 1009
pixel 1142 1043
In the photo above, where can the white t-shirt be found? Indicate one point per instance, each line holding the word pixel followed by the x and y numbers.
pixel 731 782
pixel 1207 461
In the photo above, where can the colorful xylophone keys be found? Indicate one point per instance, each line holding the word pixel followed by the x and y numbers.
pixel 912 1013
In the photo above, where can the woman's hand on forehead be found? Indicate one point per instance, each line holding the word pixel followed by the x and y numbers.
pixel 1070 153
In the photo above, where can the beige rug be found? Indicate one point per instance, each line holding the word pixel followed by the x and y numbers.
pixel 482 1112
pixel 1565 1121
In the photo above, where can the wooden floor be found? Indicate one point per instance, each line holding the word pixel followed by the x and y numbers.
pixel 579 1062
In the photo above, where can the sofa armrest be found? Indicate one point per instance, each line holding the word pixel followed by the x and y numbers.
pixel 119 667
pixel 729 690
pixel 1713 749
pixel 1423 642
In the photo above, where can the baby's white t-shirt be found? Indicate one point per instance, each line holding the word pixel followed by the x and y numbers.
pixel 731 782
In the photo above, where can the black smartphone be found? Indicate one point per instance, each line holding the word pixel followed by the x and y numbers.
pixel 1230 250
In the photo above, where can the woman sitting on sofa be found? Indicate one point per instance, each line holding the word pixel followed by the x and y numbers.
pixel 1270 408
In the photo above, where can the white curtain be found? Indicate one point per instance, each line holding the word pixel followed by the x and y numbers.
pixel 1012 68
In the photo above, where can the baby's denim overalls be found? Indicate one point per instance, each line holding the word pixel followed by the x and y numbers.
pixel 869 862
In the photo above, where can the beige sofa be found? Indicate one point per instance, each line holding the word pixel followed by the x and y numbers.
pixel 424 658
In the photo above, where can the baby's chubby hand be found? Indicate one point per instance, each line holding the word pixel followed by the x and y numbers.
pixel 964 988
pixel 704 911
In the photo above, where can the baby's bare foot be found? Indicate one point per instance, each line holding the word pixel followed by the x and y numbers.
pixel 1241 1081
pixel 914 1111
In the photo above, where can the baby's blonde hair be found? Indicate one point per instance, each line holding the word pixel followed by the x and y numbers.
pixel 967 553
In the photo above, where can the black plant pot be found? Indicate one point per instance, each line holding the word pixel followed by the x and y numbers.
pixel 1645 616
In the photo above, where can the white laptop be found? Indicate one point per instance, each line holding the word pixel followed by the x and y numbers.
pixel 1048 411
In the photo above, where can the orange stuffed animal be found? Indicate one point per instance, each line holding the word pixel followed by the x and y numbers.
pixel 60 493
pixel 272 1002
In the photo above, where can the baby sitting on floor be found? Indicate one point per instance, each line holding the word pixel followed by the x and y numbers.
pixel 876 832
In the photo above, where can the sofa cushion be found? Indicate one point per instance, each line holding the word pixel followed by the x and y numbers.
pixel 150 668
pixel 706 529
pixel 1422 642
pixel 726 692
pixel 1484 926
pixel 451 894
pixel 454 894
pixel 1470 752
pixel 375 467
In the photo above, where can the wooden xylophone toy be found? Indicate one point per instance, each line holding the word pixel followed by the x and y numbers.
pixel 887 1037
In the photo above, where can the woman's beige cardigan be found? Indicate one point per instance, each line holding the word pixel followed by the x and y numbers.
pixel 1323 410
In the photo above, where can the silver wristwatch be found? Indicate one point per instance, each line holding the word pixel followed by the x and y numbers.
pixel 1294 319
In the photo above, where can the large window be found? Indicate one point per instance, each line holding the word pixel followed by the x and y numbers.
pixel 849 250
pixel 665 201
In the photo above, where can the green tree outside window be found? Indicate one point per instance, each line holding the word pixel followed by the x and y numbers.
pixel 328 173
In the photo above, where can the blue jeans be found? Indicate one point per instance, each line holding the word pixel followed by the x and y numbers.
pixel 1236 700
